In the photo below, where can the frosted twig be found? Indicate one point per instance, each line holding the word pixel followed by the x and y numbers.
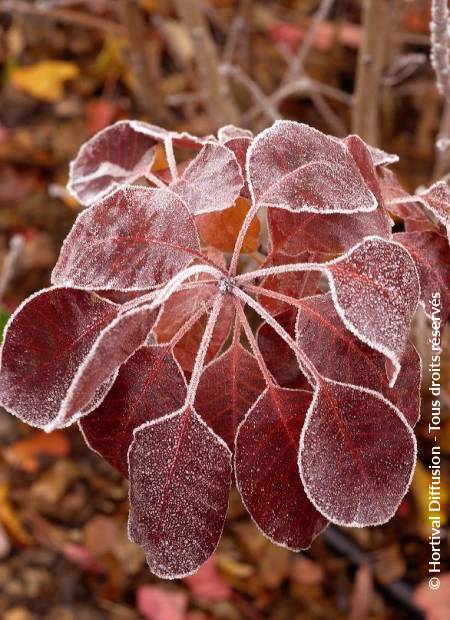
pixel 240 239
pixel 279 269
pixel 150 176
pixel 253 344
pixel 440 45
pixel 202 350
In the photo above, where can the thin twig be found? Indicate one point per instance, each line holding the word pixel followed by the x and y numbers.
pixel 218 98
pixel 296 68
pixel 371 62
pixel 67 16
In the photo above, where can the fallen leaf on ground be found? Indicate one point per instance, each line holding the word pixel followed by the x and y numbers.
pixel 156 603
pixel 207 583
pixel 45 80
pixel 27 452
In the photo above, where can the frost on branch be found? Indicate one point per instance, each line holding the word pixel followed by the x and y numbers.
pixel 317 402
pixel 357 455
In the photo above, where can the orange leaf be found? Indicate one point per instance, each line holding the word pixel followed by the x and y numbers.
pixel 160 162
pixel 26 452
pixel 10 520
pixel 221 228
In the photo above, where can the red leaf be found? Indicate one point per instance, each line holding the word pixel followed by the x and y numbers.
pixel 211 182
pixel 116 155
pixel 309 171
pixel 279 357
pixel 268 440
pixel 357 455
pixel 241 382
pixel 51 334
pixel 180 476
pixel 338 355
pixel 431 254
pixel 331 234
pixel 149 385
pixel 133 239
pixel 437 199
pixel 207 584
pixel 237 140
pixel 156 603
pixel 375 289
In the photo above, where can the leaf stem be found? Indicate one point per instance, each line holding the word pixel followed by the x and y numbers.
pixel 306 366
pixel 289 268
pixel 265 292
pixel 170 155
pixel 240 239
pixel 253 344
pixel 203 348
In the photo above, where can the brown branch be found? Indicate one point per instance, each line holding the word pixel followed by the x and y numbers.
pixel 217 96
pixel 371 63
pixel 68 16
pixel 146 83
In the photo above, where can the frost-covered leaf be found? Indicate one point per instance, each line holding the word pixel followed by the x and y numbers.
pixel 293 233
pixel 231 132
pixel 112 347
pixel 295 167
pixel 220 229
pixel 240 380
pixel 278 356
pixel 431 253
pixel 211 182
pixel 339 355
pixel 237 140
pixel 357 455
pixel 115 156
pixel 150 385
pixel 401 204
pixel 268 442
pixel 180 477
pixel 437 199
pixel 380 157
pixel 46 340
pixel 133 239
pixel 375 289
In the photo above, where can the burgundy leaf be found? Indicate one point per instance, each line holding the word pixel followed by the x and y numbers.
pixel 240 380
pixel 180 477
pixel 380 157
pixel 431 253
pixel 230 132
pixel 211 182
pixel 278 356
pixel 338 355
pixel 46 340
pixel 293 233
pixel 375 290
pixel 357 455
pixel 309 171
pixel 437 199
pixel 150 385
pixel 135 238
pixel 113 346
pixel 268 441
pixel 116 155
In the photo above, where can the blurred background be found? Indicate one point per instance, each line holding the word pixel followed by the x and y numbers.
pixel 70 68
